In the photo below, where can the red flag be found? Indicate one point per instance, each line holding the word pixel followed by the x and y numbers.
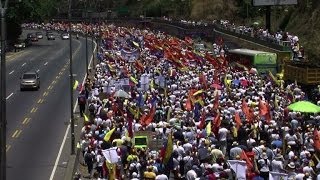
pixel 268 115
pixel 216 101
pixel 188 105
pixel 217 121
pixel 130 132
pixel 263 109
pixel 202 80
pixel 316 139
pixel 237 120
pixel 139 66
pixel 251 116
pixel 202 120
pixel 148 118
pixel 215 78
pixel 245 108
pixel 244 156
pixel 188 40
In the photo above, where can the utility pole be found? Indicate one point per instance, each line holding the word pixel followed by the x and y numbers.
pixel 3 109
pixel 71 84
pixel 87 58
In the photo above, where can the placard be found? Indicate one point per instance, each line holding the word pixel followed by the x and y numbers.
pixel 111 155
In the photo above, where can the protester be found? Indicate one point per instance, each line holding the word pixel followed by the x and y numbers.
pixel 209 116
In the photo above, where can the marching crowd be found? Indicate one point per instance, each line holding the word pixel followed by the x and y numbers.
pixel 215 122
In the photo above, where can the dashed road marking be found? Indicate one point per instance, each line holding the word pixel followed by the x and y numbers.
pixel 9 96
pixel 60 73
pixel 45 63
pixel 23 64
pixel 38 70
pixel 54 82
pixel 45 93
pixel 18 134
pixel 8 147
pixel 11 72
pixel 33 110
pixel 50 87
pixel 26 120
pixel 57 77
pixel 40 101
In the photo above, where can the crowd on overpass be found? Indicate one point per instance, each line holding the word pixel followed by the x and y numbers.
pixel 215 122
pixel 279 37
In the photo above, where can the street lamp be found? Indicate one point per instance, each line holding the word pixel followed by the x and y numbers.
pixel 71 83
pixel 86 35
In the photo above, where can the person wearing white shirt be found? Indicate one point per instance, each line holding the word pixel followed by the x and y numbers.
pixel 161 177
pixel 223 133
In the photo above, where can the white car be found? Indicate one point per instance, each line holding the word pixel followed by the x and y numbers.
pixel 65 36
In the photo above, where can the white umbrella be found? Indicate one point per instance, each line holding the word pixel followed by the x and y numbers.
pixel 121 93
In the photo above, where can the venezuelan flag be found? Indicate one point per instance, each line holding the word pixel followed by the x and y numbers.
pixel 109 134
pixel 168 151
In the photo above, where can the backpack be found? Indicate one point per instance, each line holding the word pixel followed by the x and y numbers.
pixel 88 158
pixel 82 100
pixel 91 108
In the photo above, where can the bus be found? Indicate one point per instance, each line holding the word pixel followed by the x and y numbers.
pixel 262 61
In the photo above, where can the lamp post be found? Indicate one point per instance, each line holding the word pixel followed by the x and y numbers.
pixel 3 121
pixel 71 83
pixel 86 35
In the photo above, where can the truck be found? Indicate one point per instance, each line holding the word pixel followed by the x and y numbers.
pixel 262 61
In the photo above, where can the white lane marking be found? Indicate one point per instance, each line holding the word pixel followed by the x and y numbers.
pixel 38 70
pixel 23 64
pixel 9 96
pixel 67 130
pixel 11 72
pixel 45 63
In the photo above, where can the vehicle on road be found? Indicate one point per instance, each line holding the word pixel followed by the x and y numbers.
pixel 39 35
pixel 30 80
pixel 65 36
pixel 19 44
pixel 48 32
pixel 262 61
pixel 29 35
pixel 51 36
pixel 28 42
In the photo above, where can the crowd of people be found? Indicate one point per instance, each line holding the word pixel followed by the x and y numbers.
pixel 279 37
pixel 215 122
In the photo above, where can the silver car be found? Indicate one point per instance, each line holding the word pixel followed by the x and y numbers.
pixel 30 80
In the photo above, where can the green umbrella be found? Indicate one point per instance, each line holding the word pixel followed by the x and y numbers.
pixel 304 106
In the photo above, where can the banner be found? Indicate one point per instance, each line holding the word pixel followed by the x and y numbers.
pixel 277 176
pixel 130 56
pixel 239 167
pixel 111 155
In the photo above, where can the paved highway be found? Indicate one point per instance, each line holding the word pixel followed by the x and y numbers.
pixel 37 120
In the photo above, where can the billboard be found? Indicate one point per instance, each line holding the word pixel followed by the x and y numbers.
pixel 273 2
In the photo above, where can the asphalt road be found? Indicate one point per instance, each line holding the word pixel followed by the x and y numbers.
pixel 37 120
